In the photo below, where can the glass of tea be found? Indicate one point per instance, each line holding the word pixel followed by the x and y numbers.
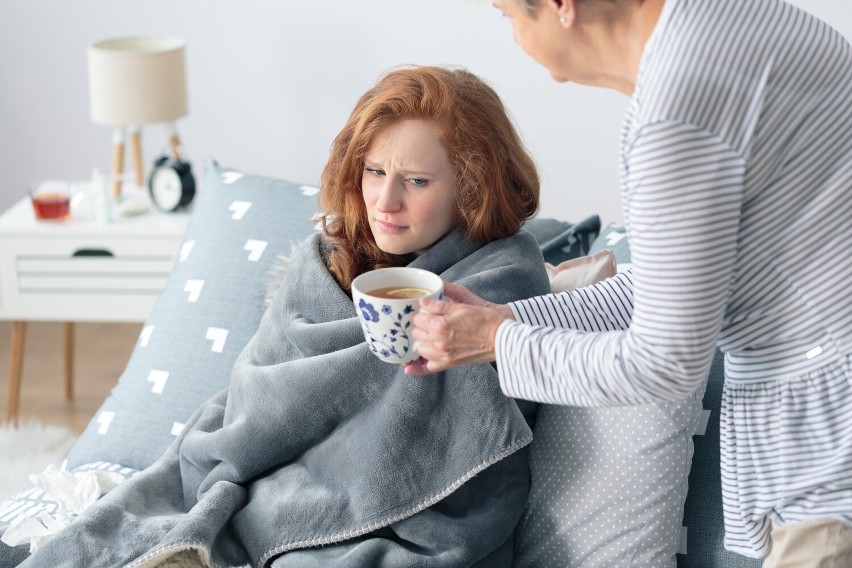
pixel 386 300
pixel 51 200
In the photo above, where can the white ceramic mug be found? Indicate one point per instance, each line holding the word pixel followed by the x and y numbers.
pixel 386 321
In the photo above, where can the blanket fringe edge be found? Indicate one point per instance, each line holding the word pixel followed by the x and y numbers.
pixel 369 527
pixel 155 557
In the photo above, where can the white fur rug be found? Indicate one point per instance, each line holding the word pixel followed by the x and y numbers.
pixel 27 449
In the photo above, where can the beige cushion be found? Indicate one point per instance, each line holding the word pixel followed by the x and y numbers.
pixel 582 271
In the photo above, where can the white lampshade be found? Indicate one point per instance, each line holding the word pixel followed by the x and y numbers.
pixel 137 80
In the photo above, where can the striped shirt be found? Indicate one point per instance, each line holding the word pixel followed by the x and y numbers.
pixel 736 187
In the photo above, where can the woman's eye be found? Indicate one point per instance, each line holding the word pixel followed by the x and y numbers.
pixel 376 171
pixel 419 182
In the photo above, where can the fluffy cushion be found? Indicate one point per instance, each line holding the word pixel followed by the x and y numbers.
pixel 607 484
pixel 582 271
pixel 210 307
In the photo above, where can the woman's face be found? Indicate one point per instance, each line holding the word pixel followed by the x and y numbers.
pixel 409 187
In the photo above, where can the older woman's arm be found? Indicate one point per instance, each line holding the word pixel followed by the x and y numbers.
pixel 472 327
pixel 685 191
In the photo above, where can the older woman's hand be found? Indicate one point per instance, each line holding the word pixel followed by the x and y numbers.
pixel 457 333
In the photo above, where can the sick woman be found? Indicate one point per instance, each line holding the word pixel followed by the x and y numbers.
pixel 319 453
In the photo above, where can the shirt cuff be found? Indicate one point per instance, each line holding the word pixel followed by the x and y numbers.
pixel 508 337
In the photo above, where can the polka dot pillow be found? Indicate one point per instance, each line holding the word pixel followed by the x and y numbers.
pixel 607 484
pixel 210 307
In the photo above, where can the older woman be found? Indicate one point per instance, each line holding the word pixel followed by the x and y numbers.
pixel 736 171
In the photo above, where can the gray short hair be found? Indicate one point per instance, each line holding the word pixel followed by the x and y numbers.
pixel 532 5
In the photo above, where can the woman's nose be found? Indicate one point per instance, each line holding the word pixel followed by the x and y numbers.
pixel 389 200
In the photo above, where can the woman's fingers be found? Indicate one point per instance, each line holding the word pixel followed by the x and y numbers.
pixel 449 335
pixel 431 324
pixel 418 367
pixel 459 295
pixel 459 332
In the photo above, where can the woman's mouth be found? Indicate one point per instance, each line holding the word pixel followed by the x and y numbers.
pixel 391 228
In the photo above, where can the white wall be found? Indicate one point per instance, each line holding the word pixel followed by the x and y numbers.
pixel 271 81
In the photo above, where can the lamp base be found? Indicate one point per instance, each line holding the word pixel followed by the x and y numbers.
pixel 118 159
pixel 117 162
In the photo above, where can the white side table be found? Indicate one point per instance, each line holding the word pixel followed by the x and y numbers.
pixel 79 271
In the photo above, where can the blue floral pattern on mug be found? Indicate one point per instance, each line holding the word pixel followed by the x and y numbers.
pixel 368 312
pixel 396 340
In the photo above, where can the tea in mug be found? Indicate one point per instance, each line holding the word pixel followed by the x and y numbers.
pixel 399 292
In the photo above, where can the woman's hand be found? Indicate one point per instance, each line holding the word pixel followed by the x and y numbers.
pixel 457 333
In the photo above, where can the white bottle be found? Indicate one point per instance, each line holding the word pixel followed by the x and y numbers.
pixel 103 201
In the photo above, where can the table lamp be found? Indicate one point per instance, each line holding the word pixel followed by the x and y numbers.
pixel 135 81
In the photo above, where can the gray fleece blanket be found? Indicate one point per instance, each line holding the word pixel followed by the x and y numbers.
pixel 319 454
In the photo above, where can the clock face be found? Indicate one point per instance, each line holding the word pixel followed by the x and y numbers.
pixel 166 188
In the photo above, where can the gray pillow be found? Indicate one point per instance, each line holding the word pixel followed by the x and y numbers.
pixel 560 240
pixel 607 484
pixel 210 307
pixel 613 238
pixel 704 524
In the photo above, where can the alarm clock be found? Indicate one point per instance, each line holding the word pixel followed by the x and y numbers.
pixel 171 184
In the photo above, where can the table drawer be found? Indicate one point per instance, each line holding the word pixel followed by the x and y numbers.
pixel 83 280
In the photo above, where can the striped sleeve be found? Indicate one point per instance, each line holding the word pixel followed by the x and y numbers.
pixel 605 306
pixel 682 203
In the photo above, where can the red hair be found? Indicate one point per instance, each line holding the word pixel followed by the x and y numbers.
pixel 496 179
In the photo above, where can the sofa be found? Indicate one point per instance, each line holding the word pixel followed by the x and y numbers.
pixel 242 232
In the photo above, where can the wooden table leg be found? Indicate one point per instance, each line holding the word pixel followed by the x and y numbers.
pixel 16 361
pixel 68 351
